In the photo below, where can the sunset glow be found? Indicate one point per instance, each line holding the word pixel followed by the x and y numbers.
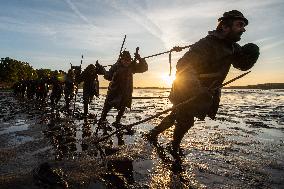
pixel 51 34
pixel 168 79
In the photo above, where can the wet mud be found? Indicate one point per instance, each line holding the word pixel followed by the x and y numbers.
pixel 44 148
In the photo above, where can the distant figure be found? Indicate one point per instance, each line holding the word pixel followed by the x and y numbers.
pixel 16 88
pixel 202 68
pixel 57 89
pixel 31 88
pixel 120 89
pixel 69 88
pixel 91 84
pixel 19 88
pixel 22 87
pixel 41 89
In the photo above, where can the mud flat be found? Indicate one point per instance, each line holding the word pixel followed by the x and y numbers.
pixel 242 148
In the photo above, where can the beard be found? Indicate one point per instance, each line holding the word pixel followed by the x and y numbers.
pixel 234 36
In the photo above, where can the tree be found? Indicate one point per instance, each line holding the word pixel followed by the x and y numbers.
pixel 12 70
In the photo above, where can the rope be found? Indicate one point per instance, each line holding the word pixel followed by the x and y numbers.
pixel 176 49
pixel 167 110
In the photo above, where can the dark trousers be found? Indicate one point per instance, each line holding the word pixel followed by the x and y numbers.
pixel 68 100
pixel 86 107
pixel 184 122
pixel 54 98
pixel 86 101
pixel 107 108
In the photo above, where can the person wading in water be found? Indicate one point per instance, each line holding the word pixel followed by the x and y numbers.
pixel 120 89
pixel 202 68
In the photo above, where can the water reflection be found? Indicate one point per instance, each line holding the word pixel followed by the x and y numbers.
pixel 171 173
pixel 119 172
pixel 67 141
pixel 248 130
pixel 86 134
pixel 62 136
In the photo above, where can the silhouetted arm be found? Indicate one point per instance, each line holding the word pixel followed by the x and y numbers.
pixel 141 66
pixel 109 74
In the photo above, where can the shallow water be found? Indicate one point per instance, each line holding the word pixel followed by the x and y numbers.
pixel 242 148
pixel 19 125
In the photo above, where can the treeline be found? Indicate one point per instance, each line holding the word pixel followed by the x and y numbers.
pixel 260 86
pixel 12 71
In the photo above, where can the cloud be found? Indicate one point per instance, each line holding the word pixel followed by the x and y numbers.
pixel 133 12
pixel 272 45
pixel 14 25
pixel 78 13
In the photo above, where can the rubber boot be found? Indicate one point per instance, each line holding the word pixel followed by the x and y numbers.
pixel 86 109
pixel 166 123
pixel 106 109
pixel 119 115
pixel 182 127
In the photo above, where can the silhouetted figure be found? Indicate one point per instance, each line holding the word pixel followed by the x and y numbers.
pixel 22 87
pixel 41 89
pixel 91 84
pixel 120 89
pixel 77 71
pixel 31 88
pixel 69 88
pixel 57 89
pixel 17 88
pixel 202 68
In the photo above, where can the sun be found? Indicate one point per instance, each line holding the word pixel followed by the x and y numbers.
pixel 168 79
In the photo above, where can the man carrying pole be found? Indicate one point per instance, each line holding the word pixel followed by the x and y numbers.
pixel 91 84
pixel 202 68
pixel 120 89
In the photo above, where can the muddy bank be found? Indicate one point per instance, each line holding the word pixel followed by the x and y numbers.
pixel 242 148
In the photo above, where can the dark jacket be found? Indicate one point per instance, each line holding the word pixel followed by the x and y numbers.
pixel 204 66
pixel 121 86
pixel 69 84
pixel 57 87
pixel 91 83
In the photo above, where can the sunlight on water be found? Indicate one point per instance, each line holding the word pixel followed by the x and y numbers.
pixel 245 139
pixel 241 122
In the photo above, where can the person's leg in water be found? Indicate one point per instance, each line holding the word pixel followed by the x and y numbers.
pixel 106 109
pixel 102 124
pixel 52 100
pixel 166 123
pixel 57 98
pixel 184 123
pixel 117 124
pixel 67 101
pixel 86 101
pixel 86 107
pixel 120 114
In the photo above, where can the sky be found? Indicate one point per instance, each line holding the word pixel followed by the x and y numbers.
pixel 51 34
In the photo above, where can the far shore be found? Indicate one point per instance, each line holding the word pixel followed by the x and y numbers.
pixel 265 86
